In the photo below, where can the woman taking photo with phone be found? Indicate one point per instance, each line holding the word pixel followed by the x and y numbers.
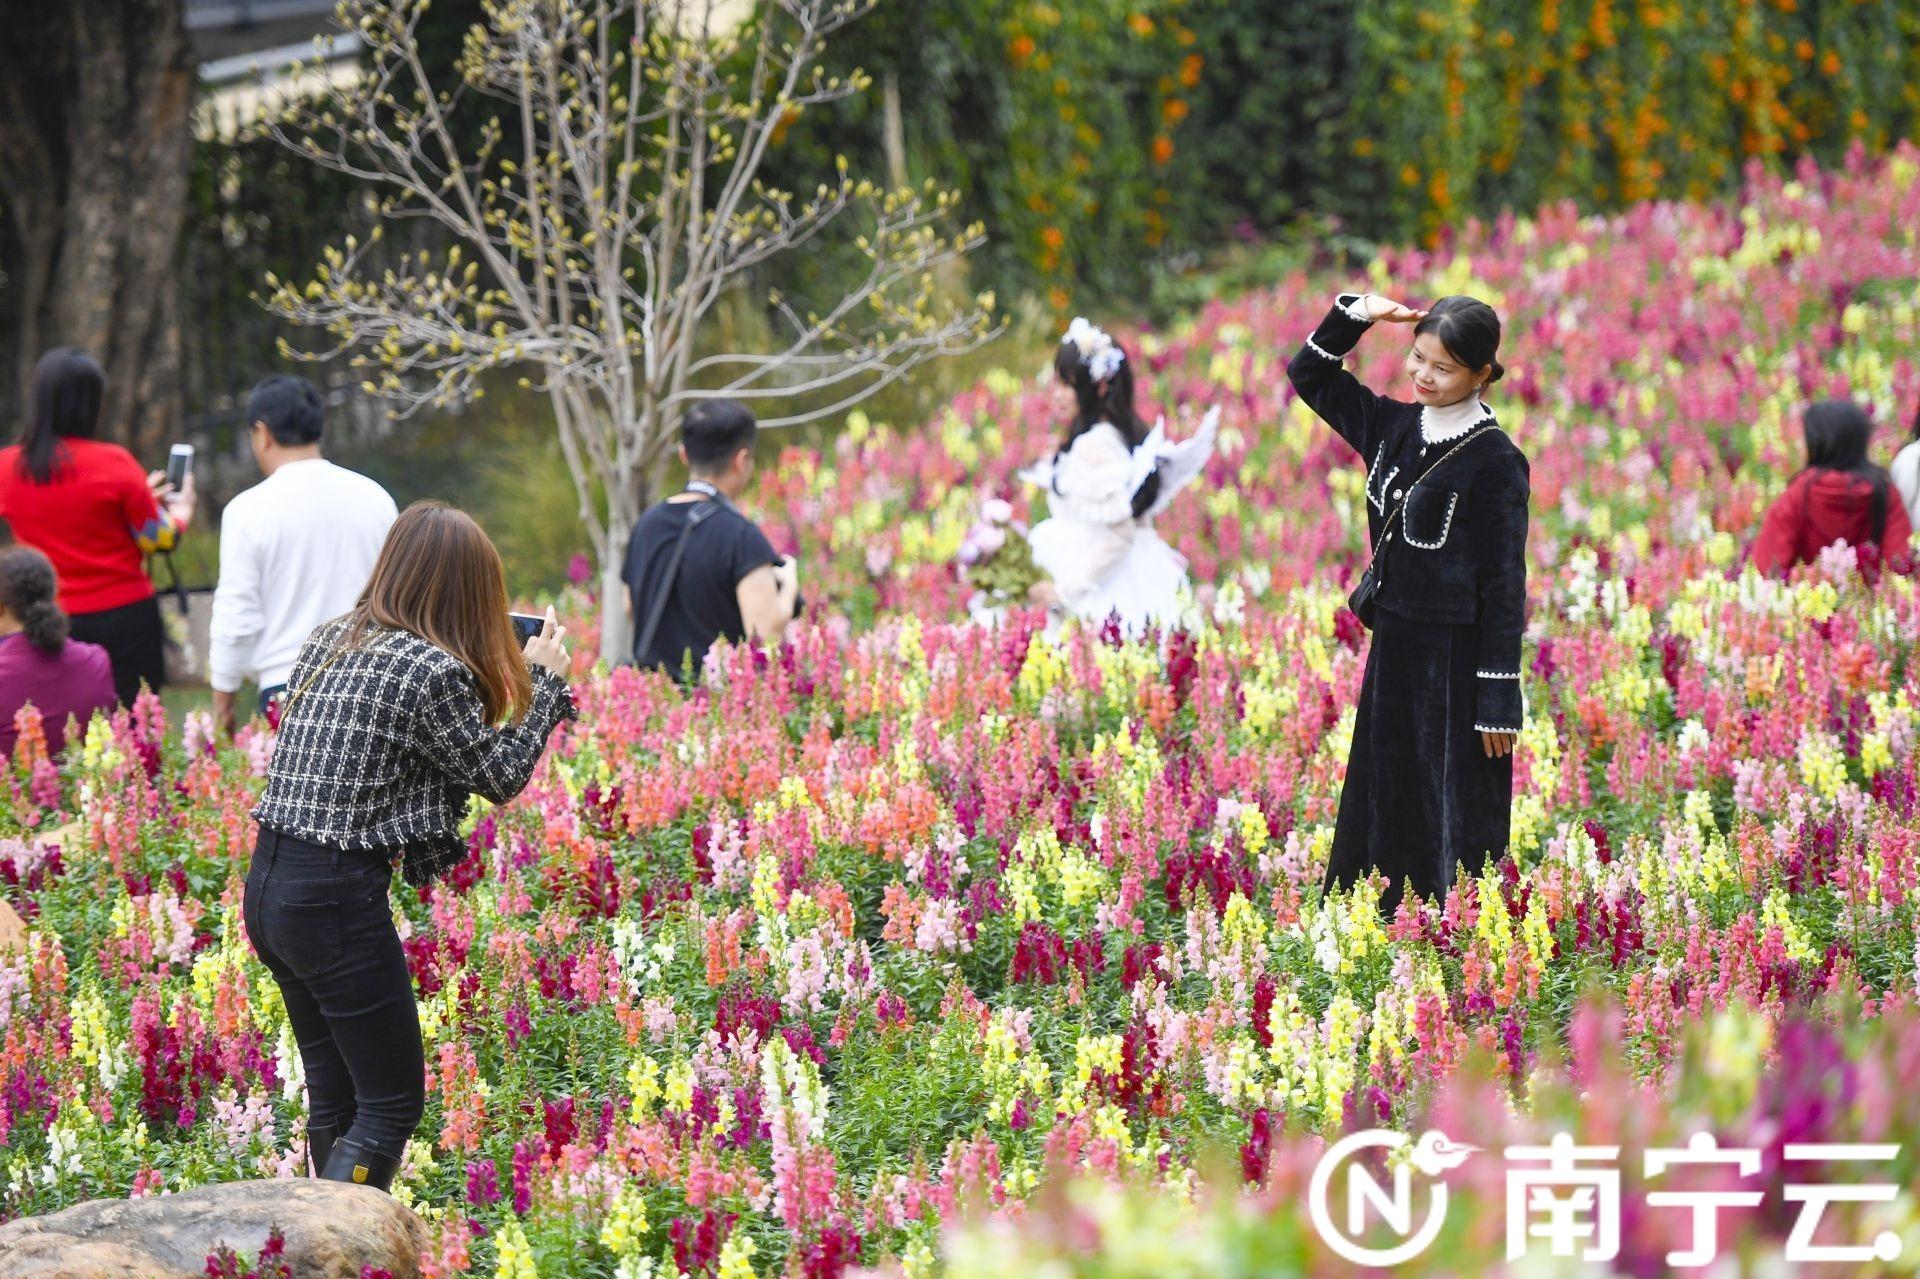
pixel 393 718
pixel 1430 774
pixel 86 504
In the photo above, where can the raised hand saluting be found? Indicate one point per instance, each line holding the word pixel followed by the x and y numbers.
pixel 1392 312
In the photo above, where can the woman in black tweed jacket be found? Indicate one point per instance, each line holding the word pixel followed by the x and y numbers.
pixel 394 719
pixel 1430 774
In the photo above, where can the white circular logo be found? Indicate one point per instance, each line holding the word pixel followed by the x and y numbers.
pixel 1432 1155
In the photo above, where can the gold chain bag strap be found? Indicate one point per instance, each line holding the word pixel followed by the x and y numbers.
pixel 286 707
pixel 1365 600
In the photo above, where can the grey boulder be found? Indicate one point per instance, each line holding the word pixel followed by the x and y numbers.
pixel 332 1229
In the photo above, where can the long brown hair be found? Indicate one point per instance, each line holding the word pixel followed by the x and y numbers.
pixel 439 577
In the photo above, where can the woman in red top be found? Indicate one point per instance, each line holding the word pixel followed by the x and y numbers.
pixel 87 505
pixel 1840 497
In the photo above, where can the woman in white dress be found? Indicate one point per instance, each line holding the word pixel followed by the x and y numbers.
pixel 1104 486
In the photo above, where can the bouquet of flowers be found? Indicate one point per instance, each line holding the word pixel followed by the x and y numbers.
pixel 996 559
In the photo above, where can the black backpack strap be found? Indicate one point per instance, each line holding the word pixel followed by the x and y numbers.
pixel 658 609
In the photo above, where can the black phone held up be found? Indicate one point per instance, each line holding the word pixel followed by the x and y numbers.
pixel 799 600
pixel 526 625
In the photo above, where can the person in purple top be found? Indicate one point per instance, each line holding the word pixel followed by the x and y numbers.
pixel 62 677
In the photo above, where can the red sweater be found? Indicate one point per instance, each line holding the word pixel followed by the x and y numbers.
pixel 95 520
pixel 1820 508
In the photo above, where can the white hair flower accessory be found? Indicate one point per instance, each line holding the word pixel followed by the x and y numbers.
pixel 1086 335
pixel 1102 354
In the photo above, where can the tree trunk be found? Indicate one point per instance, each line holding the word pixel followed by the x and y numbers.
pixel 616 630
pixel 95 151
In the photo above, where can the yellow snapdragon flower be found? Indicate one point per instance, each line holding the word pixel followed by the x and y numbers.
pixel 515 1254
pixel 643 1077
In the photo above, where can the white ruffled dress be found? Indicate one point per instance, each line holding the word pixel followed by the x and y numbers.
pixel 1102 559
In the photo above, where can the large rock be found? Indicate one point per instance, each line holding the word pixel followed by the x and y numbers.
pixel 332 1230
pixel 13 929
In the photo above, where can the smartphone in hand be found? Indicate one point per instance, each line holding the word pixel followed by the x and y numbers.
pixel 526 625
pixel 799 600
pixel 179 462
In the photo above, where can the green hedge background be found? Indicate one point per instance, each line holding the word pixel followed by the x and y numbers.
pixel 1094 136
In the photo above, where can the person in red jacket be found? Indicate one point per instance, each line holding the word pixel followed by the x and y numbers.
pixel 1839 497
pixel 88 506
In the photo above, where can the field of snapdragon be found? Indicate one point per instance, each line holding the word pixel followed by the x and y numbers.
pixel 917 921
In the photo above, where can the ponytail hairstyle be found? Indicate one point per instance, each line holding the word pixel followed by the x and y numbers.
pixel 1469 329
pixel 29 591
pixel 1837 432
pixel 68 386
pixel 1101 375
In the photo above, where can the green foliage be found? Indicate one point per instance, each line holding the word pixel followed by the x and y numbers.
pixel 1525 101
pixel 1102 141
pixel 1270 112
pixel 532 513
pixel 1058 123
pixel 901 1095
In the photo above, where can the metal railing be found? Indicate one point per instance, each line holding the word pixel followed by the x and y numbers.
pixel 240 13
pixel 243 66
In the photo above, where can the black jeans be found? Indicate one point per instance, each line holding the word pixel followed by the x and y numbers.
pixel 319 919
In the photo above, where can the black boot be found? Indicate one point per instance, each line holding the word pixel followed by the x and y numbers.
pixel 351 1161
pixel 320 1139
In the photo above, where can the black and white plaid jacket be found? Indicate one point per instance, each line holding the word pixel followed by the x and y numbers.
pixel 382 749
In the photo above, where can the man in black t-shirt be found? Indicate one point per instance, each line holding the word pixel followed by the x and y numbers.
pixel 697 565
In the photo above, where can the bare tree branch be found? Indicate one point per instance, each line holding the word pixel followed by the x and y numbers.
pixel 589 263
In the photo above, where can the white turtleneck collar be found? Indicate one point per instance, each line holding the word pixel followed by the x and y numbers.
pixel 1451 421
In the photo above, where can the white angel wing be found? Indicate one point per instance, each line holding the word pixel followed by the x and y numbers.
pixel 1178 463
pixel 1148 455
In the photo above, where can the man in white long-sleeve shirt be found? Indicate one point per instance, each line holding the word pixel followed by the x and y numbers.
pixel 295 549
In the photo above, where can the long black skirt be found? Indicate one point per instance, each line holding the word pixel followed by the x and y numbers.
pixel 1422 800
